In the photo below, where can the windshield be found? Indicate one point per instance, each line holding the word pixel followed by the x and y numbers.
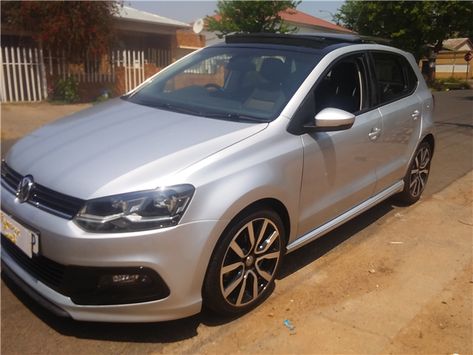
pixel 235 83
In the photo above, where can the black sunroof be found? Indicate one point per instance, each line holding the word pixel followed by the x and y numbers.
pixel 316 40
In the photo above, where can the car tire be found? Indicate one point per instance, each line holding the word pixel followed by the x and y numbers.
pixel 245 263
pixel 417 175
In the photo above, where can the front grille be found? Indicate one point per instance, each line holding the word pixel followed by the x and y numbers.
pixel 41 197
pixel 10 176
pixel 41 268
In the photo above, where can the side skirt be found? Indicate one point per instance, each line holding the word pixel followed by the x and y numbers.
pixel 334 223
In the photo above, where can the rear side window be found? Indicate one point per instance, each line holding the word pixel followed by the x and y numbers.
pixel 394 75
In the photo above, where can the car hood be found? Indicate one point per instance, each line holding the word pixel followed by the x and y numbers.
pixel 120 147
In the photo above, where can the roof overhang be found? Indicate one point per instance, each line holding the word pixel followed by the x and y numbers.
pixel 143 27
pixel 128 15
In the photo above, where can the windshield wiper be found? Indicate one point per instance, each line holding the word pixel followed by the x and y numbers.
pixel 233 117
pixel 180 109
pixel 196 112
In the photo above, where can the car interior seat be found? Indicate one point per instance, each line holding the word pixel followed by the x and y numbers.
pixel 340 89
pixel 269 92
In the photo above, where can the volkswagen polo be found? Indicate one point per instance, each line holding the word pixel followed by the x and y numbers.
pixel 190 189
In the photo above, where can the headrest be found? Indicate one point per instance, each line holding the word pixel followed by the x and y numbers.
pixel 344 71
pixel 274 70
pixel 241 64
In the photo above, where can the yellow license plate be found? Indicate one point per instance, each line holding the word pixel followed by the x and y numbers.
pixel 25 239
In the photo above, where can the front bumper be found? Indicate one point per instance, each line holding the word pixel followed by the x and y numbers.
pixel 179 255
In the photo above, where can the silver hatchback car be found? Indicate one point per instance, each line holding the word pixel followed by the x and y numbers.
pixel 189 190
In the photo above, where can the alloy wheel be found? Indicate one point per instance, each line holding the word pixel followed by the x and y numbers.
pixel 250 262
pixel 419 172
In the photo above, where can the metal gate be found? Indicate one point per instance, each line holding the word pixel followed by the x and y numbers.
pixel 134 64
pixel 22 74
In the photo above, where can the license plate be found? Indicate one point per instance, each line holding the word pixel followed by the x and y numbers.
pixel 22 237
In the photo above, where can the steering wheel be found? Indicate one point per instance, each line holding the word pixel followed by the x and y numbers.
pixel 213 87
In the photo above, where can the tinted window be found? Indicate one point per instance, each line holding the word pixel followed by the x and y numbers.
pixel 395 77
pixel 343 87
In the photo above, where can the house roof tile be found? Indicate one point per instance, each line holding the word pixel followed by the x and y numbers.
pixel 302 18
pixel 297 17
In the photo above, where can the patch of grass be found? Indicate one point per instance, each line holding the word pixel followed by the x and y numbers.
pixel 449 84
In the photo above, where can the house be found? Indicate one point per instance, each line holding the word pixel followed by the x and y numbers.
pixel 451 60
pixel 303 22
pixel 145 43
pixel 140 30
pixel 306 23
pixel 457 44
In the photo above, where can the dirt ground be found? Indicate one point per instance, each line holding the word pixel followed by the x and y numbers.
pixel 19 119
pixel 394 280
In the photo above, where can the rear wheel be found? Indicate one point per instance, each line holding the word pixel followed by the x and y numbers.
pixel 417 175
pixel 245 263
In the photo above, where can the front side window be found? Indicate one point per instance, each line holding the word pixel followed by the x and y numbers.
pixel 229 83
pixel 394 75
pixel 343 87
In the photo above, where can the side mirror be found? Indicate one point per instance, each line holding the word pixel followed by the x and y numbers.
pixel 332 119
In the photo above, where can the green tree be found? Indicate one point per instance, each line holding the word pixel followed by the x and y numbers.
pixel 78 28
pixel 250 17
pixel 414 26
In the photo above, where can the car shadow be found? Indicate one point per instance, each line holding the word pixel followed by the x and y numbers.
pixel 323 245
pixel 178 330
pixel 459 125
pixel 157 332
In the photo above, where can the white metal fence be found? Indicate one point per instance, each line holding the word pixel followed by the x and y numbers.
pixel 209 66
pixel 94 69
pixel 22 74
pixel 159 57
pixel 134 64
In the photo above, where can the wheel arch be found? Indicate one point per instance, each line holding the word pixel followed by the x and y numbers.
pixel 429 138
pixel 271 204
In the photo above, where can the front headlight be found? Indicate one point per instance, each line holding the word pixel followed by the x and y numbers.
pixel 135 211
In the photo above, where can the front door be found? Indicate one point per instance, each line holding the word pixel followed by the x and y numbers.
pixel 339 167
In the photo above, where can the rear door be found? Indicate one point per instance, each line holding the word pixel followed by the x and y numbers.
pixel 400 109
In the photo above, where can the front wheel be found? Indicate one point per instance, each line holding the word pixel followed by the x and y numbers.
pixel 417 175
pixel 245 263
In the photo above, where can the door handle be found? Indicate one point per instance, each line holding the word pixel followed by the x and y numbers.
pixel 374 134
pixel 415 115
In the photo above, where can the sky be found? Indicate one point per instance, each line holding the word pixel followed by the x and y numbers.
pixel 189 11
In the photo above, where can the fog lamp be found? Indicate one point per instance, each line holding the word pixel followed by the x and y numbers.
pixel 125 279
pixel 113 285
pixel 118 280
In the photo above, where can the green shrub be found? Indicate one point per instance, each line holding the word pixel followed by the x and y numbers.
pixel 67 90
pixel 449 84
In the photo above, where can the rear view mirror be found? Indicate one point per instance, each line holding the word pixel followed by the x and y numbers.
pixel 332 119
